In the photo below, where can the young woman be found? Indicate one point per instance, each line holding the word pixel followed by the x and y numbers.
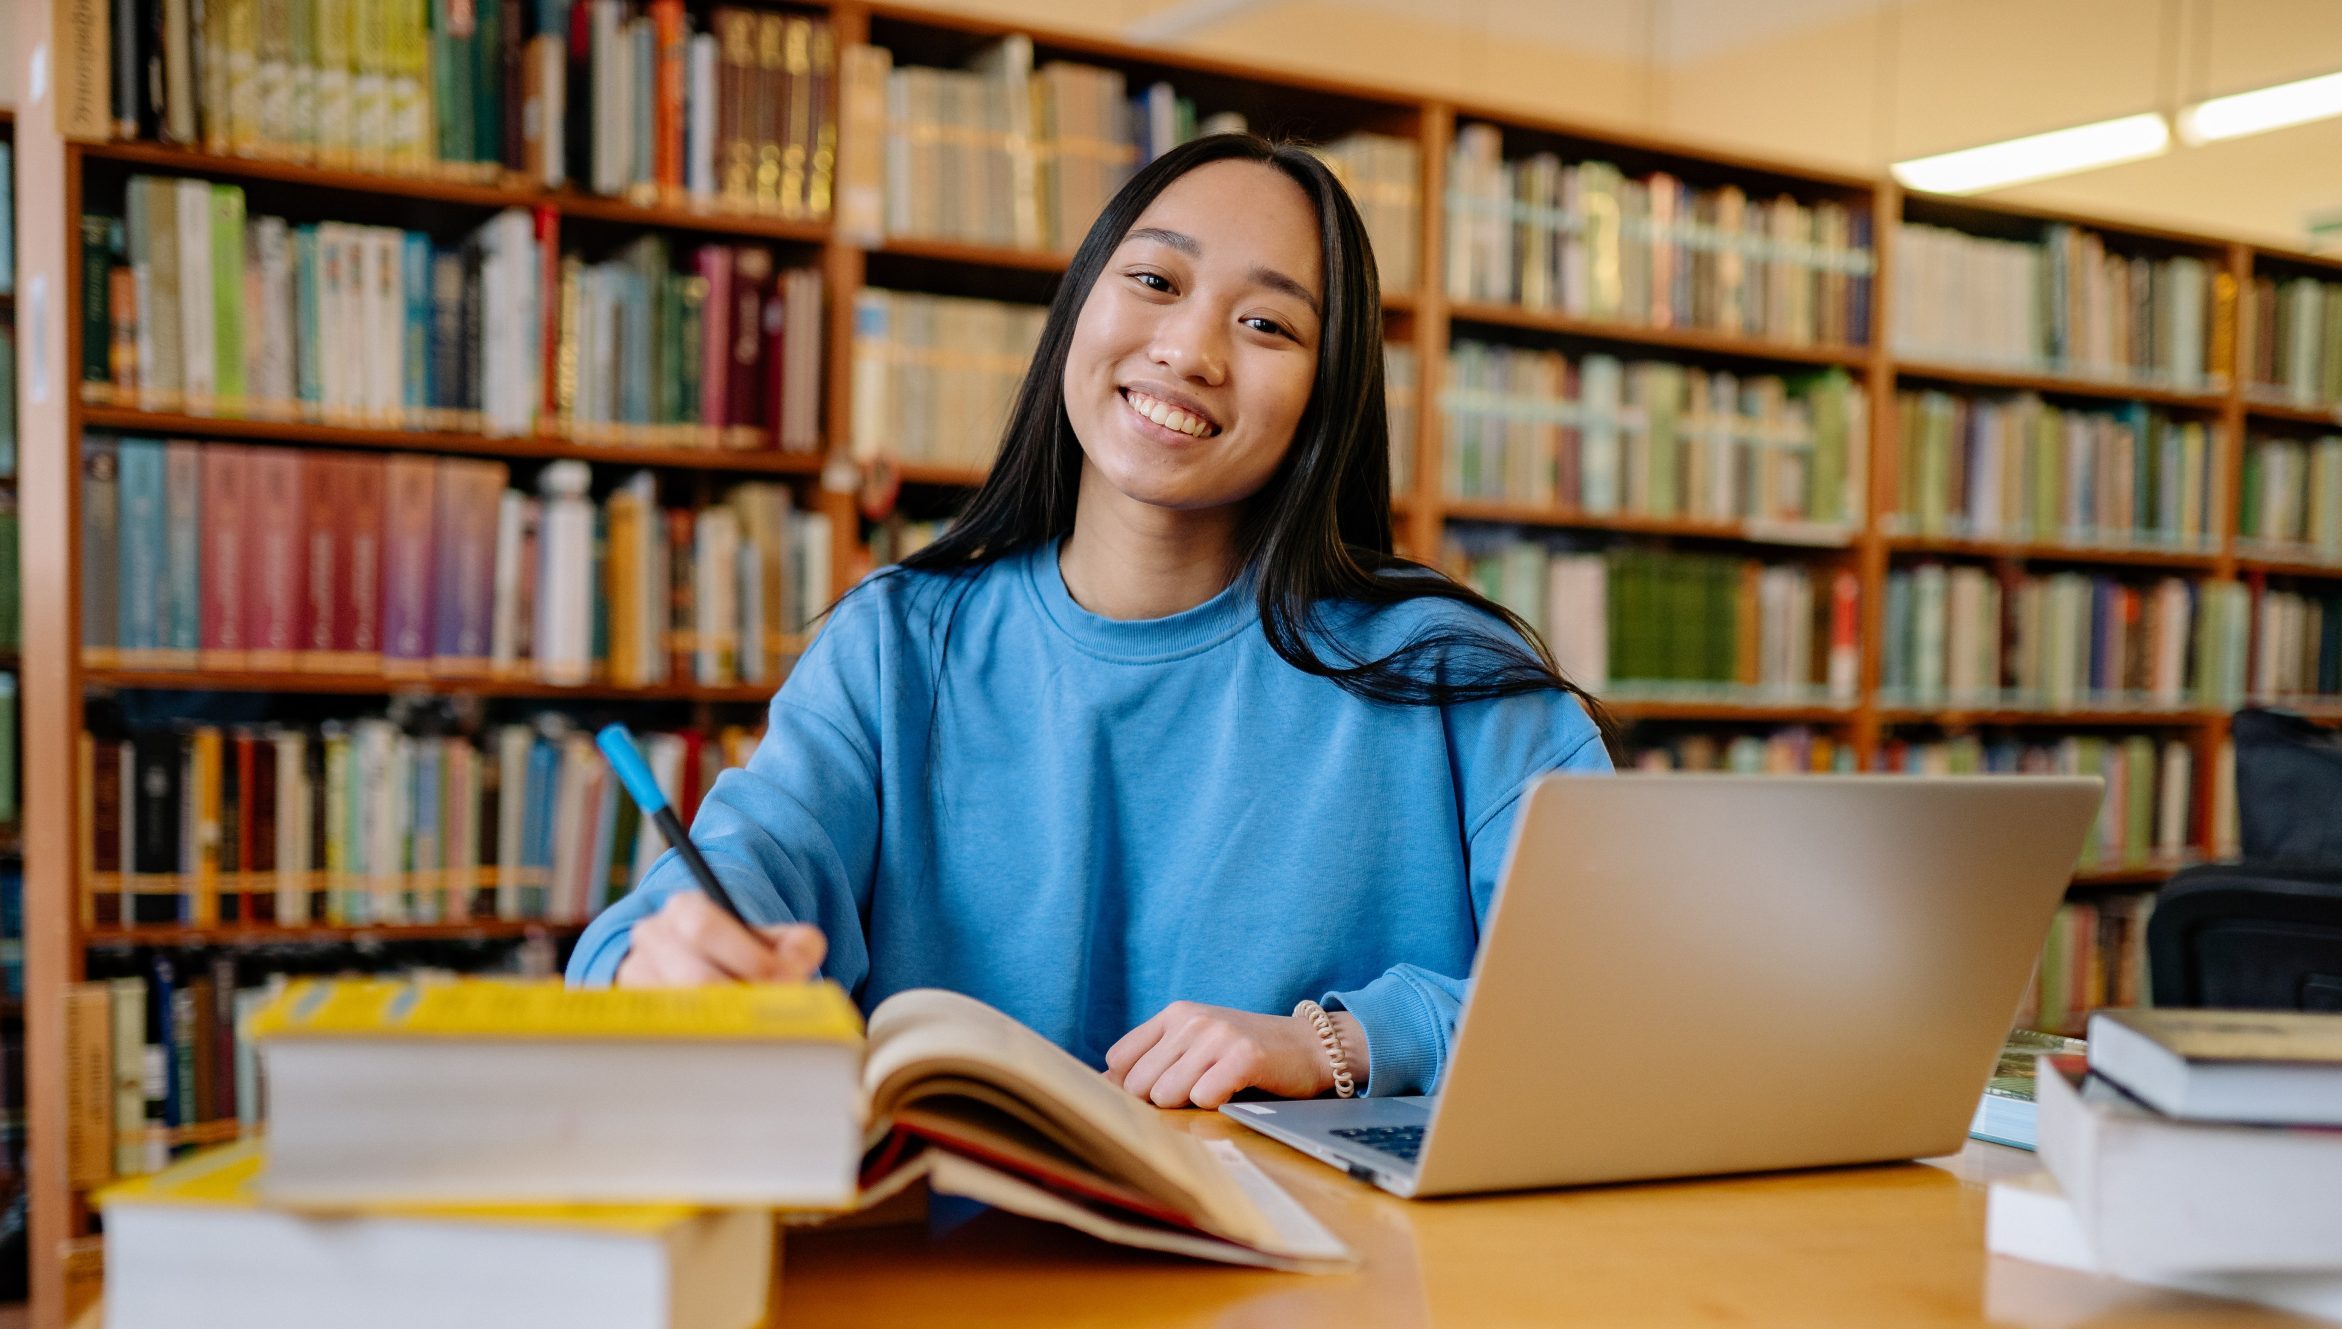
pixel 1159 739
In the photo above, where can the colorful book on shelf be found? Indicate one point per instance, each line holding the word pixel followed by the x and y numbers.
pixel 2291 505
pixel 934 376
pixel 2292 354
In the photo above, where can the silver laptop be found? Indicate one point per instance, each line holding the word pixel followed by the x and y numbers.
pixel 1685 975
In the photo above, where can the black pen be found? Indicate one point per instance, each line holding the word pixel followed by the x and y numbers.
pixel 635 773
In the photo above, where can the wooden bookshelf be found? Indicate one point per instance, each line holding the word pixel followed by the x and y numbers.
pixel 304 433
pixel 56 684
pixel 298 684
pixel 310 934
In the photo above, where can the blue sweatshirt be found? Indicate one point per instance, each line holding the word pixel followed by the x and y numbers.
pixel 1081 820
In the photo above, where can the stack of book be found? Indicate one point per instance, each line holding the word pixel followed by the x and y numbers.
pixel 2297 645
pixel 2193 1150
pixel 370 822
pixel 1783 752
pixel 1653 438
pixel 603 1175
pixel 1675 624
pixel 2020 469
pixel 2293 342
pixel 224 557
pixel 934 375
pixel 1967 636
pixel 1586 240
pixel 2061 305
pixel 2147 816
pixel 190 305
pixel 2291 507
pixel 647 101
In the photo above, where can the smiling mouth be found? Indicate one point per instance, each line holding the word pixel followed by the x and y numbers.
pixel 1168 416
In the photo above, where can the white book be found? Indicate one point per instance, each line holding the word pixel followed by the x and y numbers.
pixel 563 637
pixel 513 742
pixel 716 595
pixel 198 339
pixel 1577 614
pixel 276 344
pixel 699 156
pixel 570 849
pixel 610 83
pixel 551 52
pixel 364 273
pixel 187 1247
pixel 2277 1068
pixel 459 830
pixel 813 564
pixel 1599 391
pixel 332 315
pixel 663 753
pixel 2174 829
pixel 504 629
pixel 387 356
pixel 2156 1193
pixel 2029 1218
pixel 293 844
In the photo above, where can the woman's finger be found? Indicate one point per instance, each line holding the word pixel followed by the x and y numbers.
pixel 1171 1088
pixel 1130 1047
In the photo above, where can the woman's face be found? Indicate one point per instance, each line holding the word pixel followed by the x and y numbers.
pixel 1193 357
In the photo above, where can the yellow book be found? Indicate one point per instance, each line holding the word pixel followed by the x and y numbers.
pixel 190 1244
pixel 482 1008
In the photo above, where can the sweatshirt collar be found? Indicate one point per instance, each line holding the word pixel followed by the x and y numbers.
pixel 1136 640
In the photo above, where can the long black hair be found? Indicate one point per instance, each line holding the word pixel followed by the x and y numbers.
pixel 1319 532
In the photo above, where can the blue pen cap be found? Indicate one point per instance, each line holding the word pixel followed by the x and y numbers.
pixel 633 772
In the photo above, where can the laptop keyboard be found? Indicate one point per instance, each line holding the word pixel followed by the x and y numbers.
pixel 1403 1142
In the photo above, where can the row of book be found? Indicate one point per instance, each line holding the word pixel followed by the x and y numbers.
pixel 1786 751
pixel 934 375
pixel 1631 618
pixel 1587 240
pixel 381 820
pixel 221 556
pixel 2292 501
pixel 646 101
pixel 1652 438
pixel 2149 813
pixel 1968 636
pixel 2018 468
pixel 2293 342
pixel 160 1061
pixel 2095 957
pixel 2297 643
pixel 2063 304
pixel 726 353
pixel 190 305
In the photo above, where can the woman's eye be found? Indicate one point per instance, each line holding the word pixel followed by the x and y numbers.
pixel 1267 325
pixel 1154 281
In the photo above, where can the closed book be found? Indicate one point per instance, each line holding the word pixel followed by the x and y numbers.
pixel 128 999
pixel 101 552
pixel 275 590
pixel 2159 1193
pixel 227 526
pixel 89 1084
pixel 2277 1067
pixel 358 565
pixel 189 1244
pixel 2008 1113
pixel 183 553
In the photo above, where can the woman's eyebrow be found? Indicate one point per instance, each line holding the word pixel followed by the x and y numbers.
pixel 1259 276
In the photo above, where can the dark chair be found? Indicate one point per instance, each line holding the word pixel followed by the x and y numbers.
pixel 2264 933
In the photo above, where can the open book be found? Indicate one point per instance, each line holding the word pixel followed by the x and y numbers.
pixel 484 1092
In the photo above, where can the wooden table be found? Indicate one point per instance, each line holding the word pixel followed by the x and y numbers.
pixel 1872 1247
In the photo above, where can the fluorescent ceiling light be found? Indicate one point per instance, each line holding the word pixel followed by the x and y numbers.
pixel 2262 109
pixel 2038 156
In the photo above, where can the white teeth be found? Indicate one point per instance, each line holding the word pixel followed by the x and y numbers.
pixel 1167 415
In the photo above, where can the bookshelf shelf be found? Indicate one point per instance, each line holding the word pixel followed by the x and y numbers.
pixel 2264 412
pixel 261 429
pixel 969 255
pixel 1721 711
pixel 2078 716
pixel 297 684
pixel 1525 514
pixel 2132 874
pixel 2313 707
pixel 459 189
pixel 1668 339
pixel 2054 385
pixel 2199 560
pixel 307 934
pixel 2289 567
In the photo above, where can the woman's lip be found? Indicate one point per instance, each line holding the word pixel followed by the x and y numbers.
pixel 1160 433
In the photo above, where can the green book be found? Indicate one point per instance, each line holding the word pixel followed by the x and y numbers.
pixel 101 250
pixel 227 285
pixel 2138 818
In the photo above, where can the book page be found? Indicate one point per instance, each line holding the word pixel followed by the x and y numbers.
pixel 930 1038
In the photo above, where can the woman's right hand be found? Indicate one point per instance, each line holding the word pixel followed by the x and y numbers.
pixel 691 941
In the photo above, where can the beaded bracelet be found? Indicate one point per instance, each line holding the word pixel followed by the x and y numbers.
pixel 1344 1086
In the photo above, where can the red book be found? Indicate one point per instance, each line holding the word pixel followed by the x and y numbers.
pixel 715 401
pixel 1845 662
pixel 226 519
pixel 464 592
pixel 322 494
pixel 687 798
pixel 549 310
pixel 274 589
pixel 357 609
pixel 409 507
pixel 752 282
pixel 667 27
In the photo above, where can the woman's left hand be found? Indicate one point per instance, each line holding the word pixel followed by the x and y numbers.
pixel 1193 1053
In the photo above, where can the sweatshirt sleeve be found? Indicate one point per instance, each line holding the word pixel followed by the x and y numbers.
pixel 1408 1014
pixel 793 835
